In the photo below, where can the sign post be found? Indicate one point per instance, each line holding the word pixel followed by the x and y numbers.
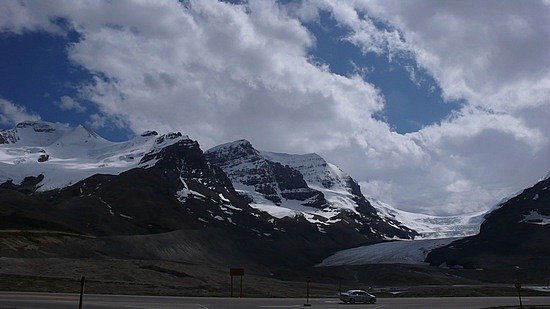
pixel 518 287
pixel 237 272
pixel 81 292
pixel 308 280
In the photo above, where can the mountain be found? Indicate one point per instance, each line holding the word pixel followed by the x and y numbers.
pixel 65 155
pixel 513 240
pixel 286 185
pixel 159 197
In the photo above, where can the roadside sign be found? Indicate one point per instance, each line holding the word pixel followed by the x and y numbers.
pixel 308 280
pixel 236 271
pixel 518 287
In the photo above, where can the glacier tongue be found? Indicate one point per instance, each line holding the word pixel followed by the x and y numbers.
pixel 401 252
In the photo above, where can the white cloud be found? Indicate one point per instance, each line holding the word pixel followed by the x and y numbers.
pixel 12 114
pixel 244 70
pixel 480 52
pixel 15 18
pixel 220 72
pixel 493 56
pixel 66 103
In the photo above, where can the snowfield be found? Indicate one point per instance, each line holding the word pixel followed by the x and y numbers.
pixel 433 227
pixel 66 155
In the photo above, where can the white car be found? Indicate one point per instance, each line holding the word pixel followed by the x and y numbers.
pixel 354 296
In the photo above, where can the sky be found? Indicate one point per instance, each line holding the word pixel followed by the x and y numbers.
pixel 437 107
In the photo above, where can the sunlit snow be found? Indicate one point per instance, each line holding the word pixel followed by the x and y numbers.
pixel 74 153
pixel 432 227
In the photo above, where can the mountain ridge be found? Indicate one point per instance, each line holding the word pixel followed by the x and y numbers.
pixel 68 157
pixel 162 184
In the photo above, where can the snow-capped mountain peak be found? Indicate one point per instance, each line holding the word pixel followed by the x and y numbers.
pixel 39 133
pixel 317 172
pixel 288 185
pixel 283 185
pixel 65 155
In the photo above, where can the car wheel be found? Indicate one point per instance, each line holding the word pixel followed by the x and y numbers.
pixel 372 301
pixel 352 301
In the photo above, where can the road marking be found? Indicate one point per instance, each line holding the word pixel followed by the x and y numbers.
pixel 280 306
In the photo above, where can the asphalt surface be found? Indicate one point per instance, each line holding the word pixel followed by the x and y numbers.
pixel 17 300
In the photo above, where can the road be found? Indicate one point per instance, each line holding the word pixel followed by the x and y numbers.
pixel 19 300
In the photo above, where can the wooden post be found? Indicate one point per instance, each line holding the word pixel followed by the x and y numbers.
pixel 81 292
pixel 231 286
pixel 518 287
pixel 308 280
pixel 241 294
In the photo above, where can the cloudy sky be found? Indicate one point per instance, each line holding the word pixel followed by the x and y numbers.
pixel 440 107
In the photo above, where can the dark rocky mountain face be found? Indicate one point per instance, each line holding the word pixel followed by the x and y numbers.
pixel 267 175
pixel 271 179
pixel 514 239
pixel 179 190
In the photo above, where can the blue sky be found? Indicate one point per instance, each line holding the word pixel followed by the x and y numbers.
pixel 432 106
pixel 37 74
pixel 411 103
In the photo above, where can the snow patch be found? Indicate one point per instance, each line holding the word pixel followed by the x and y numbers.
pixel 184 193
pixel 535 218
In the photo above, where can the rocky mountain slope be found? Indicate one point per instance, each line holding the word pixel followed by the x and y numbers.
pixel 513 239
pixel 62 179
pixel 303 185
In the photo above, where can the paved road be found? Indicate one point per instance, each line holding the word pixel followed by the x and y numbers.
pixel 11 300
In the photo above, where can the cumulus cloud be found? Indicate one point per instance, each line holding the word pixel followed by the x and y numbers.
pixel 492 56
pixel 480 52
pixel 66 103
pixel 11 114
pixel 243 69
pixel 220 71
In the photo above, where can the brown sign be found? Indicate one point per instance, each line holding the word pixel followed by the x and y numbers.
pixel 236 271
